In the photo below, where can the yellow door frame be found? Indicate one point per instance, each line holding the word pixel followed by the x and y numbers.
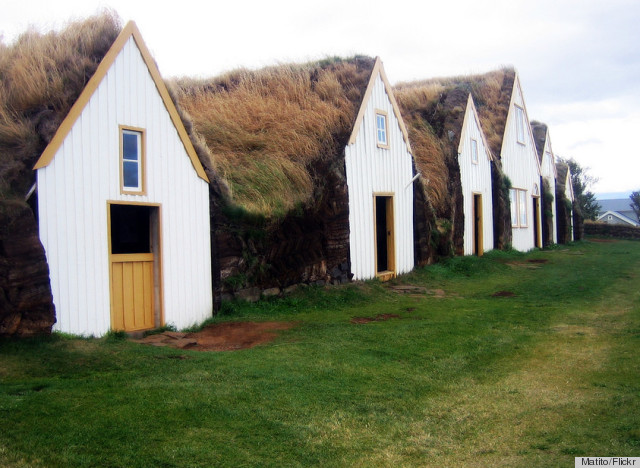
pixel 156 255
pixel 390 272
pixel 478 224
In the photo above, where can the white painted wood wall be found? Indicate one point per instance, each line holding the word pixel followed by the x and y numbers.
pixel 568 193
pixel 475 178
pixel 372 170
pixel 74 188
pixel 548 168
pixel 521 164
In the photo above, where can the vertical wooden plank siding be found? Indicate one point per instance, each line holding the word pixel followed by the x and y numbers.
pixel 84 174
pixel 548 169
pixel 379 170
pixel 475 179
pixel 521 164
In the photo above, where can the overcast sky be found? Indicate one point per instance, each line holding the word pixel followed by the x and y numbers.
pixel 578 60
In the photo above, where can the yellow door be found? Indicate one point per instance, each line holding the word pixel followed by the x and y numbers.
pixel 132 292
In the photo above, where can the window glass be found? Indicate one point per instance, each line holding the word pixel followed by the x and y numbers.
pixel 522 207
pixel 381 129
pixel 513 199
pixel 131 160
pixel 474 150
pixel 520 123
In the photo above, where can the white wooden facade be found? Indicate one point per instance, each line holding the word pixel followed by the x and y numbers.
pixel 79 176
pixel 372 170
pixel 521 164
pixel 475 176
pixel 549 173
pixel 568 193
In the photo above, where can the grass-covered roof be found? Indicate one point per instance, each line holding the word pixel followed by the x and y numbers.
pixel 41 76
pixel 539 130
pixel 434 112
pixel 270 131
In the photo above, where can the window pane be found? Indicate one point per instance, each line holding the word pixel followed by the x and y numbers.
pixel 514 206
pixel 523 207
pixel 381 128
pixel 474 151
pixel 130 146
pixel 130 174
pixel 520 123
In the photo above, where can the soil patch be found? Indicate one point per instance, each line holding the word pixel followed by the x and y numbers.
pixel 537 260
pixel 603 241
pixel 227 336
pixel 503 294
pixel 377 318
pixel 420 292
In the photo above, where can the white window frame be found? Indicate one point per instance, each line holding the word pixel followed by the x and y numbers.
pixel 520 134
pixel 382 133
pixel 140 188
pixel 475 158
pixel 519 212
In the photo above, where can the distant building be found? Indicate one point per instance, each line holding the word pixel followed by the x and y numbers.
pixel 617 211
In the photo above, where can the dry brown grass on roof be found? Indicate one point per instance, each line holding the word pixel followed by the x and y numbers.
pixel 269 129
pixel 491 94
pixel 41 76
pixel 423 117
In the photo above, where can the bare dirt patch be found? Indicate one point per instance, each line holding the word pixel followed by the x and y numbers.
pixel 603 241
pixel 420 292
pixel 227 336
pixel 377 318
pixel 503 294
pixel 537 260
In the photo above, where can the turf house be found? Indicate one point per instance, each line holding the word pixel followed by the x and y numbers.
pixel 112 226
pixel 314 174
pixel 565 204
pixel 549 175
pixel 452 154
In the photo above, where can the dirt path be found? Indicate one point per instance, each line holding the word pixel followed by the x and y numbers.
pixel 227 336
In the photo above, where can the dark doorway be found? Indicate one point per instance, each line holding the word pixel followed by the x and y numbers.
pixel 478 248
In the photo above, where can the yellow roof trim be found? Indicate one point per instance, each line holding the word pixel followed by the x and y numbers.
pixel 378 69
pixel 130 30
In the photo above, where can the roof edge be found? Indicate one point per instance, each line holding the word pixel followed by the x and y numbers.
pixel 378 69
pixel 130 30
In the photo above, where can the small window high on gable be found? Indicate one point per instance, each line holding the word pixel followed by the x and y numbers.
pixel 474 151
pixel 132 160
pixel 382 129
pixel 520 124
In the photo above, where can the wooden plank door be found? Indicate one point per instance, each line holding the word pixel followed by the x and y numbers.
pixel 132 292
pixel 133 258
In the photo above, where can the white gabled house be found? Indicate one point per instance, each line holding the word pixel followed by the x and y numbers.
pixel 521 165
pixel 549 175
pixel 474 157
pixel 379 174
pixel 123 204
pixel 564 203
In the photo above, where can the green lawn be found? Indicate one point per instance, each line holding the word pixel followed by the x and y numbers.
pixel 533 379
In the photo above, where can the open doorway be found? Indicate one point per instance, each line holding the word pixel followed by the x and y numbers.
pixel 537 238
pixel 384 237
pixel 478 247
pixel 134 261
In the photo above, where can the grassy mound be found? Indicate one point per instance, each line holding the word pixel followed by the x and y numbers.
pixel 270 130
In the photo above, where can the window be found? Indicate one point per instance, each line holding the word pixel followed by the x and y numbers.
pixel 132 160
pixel 520 124
pixel 381 129
pixel 474 151
pixel 518 202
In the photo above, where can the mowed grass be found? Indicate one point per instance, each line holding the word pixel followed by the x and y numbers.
pixel 461 378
